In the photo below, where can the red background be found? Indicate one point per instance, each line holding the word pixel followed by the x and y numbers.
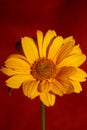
pixel 23 17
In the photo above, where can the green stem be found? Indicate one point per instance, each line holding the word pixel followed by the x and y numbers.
pixel 43 115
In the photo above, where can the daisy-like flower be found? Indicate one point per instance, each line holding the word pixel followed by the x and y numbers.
pixel 49 67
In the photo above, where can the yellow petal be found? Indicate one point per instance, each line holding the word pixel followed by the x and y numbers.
pixel 69 40
pixel 56 44
pixel 32 91
pixel 17 80
pixel 25 87
pixel 66 72
pixel 54 88
pixel 77 86
pixel 11 72
pixel 73 60
pixel 47 98
pixel 64 85
pixel 16 64
pixel 79 76
pixel 58 85
pixel 48 37
pixel 18 56
pixel 40 42
pixel 65 51
pixel 76 50
pixel 30 88
pixel 30 49
pixel 67 86
pixel 44 86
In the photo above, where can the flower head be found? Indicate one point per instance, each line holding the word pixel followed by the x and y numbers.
pixel 49 67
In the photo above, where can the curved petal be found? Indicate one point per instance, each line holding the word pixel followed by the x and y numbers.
pixel 64 85
pixel 25 87
pixel 55 89
pixel 69 39
pixel 11 72
pixel 30 49
pixel 66 72
pixel 67 86
pixel 47 98
pixel 56 44
pixel 17 80
pixel 73 60
pixel 30 88
pixel 64 51
pixel 47 38
pixel 44 86
pixel 76 50
pixel 77 86
pixel 58 85
pixel 79 76
pixel 16 63
pixel 18 56
pixel 40 42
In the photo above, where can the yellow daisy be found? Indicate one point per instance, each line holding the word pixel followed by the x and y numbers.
pixel 49 67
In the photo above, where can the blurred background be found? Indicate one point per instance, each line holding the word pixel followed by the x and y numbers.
pixel 20 18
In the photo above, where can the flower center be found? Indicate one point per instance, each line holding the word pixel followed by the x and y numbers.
pixel 43 69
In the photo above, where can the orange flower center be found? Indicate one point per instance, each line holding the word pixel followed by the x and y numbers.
pixel 43 69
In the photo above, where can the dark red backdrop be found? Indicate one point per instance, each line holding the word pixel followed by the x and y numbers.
pixel 24 17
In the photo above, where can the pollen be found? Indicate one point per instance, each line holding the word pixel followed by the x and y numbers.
pixel 43 69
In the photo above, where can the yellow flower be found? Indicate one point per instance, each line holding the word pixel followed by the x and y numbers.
pixel 49 67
